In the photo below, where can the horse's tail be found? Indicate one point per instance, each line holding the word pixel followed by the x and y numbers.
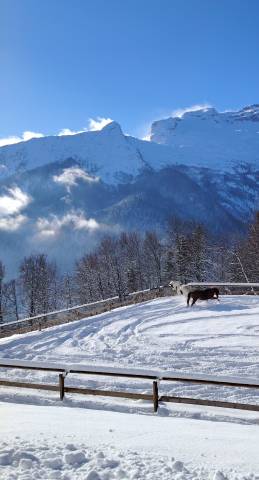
pixel 188 298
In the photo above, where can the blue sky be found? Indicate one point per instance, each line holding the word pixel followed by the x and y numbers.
pixel 63 61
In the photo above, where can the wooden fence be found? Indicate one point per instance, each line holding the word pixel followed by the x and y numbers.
pixel 154 376
pixel 66 315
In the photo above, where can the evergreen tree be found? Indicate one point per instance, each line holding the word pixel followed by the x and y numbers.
pixel 199 259
pixel 251 248
pixel 183 258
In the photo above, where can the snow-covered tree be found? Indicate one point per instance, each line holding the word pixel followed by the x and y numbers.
pixel 11 301
pixel 132 245
pixel 38 284
pixel 183 258
pixel 199 254
pixel 2 275
pixel 153 254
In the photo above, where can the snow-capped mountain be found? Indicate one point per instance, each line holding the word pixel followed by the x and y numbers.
pixel 211 139
pixel 204 138
pixel 107 153
pixel 61 194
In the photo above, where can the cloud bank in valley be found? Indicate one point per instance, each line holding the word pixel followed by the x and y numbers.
pixel 70 176
pixel 11 204
pixel 53 225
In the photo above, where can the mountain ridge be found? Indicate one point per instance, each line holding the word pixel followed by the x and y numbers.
pixel 60 195
pixel 210 138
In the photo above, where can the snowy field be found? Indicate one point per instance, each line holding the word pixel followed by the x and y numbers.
pixel 98 438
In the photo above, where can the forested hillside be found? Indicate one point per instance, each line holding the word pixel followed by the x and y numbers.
pixel 129 262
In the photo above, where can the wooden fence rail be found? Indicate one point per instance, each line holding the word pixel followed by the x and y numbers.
pixel 57 317
pixel 156 376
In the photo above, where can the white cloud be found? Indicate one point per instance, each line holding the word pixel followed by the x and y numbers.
pixel 12 223
pixel 98 123
pixel 193 108
pixel 11 205
pixel 69 176
pixel 28 135
pixel 147 137
pixel 23 138
pixel 67 131
pixel 82 223
pixel 9 141
pixel 13 202
pixel 93 125
pixel 52 226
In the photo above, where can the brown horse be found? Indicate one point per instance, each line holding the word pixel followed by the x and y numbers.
pixel 209 293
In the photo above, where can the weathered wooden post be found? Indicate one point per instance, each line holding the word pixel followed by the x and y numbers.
pixel 61 386
pixel 155 395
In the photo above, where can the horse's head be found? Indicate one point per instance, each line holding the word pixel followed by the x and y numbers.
pixel 176 286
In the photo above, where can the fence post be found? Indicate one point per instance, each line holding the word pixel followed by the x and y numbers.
pixel 61 386
pixel 155 396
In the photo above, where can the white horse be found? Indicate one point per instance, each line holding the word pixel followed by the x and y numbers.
pixel 180 288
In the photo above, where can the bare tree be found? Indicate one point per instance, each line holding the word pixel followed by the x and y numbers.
pixel 11 300
pixel 38 284
pixel 153 256
pixel 134 260
pixel 68 290
pixel 2 275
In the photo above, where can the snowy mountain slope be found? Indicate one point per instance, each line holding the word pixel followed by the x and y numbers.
pixel 223 200
pixel 107 153
pixel 235 192
pixel 203 138
pixel 63 211
pixel 59 195
pixel 210 138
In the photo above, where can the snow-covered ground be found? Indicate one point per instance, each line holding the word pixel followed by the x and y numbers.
pixel 77 444
pixel 93 437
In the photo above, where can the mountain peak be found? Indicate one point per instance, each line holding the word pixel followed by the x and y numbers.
pixel 251 108
pixel 250 112
pixel 206 137
pixel 112 127
pixel 201 112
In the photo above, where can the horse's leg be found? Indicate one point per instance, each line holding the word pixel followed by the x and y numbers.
pixel 217 296
pixel 194 300
pixel 188 298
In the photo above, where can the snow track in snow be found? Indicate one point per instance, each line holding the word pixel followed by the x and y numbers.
pixel 163 334
pixel 94 442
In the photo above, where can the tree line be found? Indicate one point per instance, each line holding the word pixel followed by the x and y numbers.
pixel 130 262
